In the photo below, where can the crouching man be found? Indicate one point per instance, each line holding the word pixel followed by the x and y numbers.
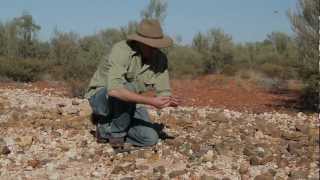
pixel 134 66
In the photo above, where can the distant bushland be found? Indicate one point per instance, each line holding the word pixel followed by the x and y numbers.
pixel 70 57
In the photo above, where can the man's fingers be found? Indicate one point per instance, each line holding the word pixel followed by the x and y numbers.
pixel 168 101
pixel 166 105
pixel 176 99
pixel 165 98
pixel 164 101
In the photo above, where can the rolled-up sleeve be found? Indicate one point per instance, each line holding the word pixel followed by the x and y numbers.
pixel 162 84
pixel 117 68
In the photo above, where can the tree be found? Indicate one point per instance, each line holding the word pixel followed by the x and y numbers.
pixel 2 39
pixel 217 49
pixel 200 42
pixel 185 61
pixel 109 37
pixel 27 30
pixel 64 47
pixel 11 40
pixel 305 23
pixel 129 29
pixel 156 9
pixel 280 41
pixel 92 50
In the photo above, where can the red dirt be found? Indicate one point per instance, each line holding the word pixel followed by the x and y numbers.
pixel 214 91
pixel 219 91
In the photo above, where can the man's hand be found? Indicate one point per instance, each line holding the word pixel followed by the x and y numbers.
pixel 157 102
pixel 166 101
pixel 160 102
pixel 174 101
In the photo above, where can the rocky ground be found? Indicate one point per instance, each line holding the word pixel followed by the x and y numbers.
pixel 45 136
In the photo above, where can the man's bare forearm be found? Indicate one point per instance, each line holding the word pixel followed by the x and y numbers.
pixel 129 96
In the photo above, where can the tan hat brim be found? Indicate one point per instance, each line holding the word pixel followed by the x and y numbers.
pixel 157 43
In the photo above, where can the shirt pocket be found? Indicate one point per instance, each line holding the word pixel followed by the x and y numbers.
pixel 130 76
pixel 149 84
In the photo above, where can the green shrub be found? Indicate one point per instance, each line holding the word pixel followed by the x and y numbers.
pixel 77 87
pixel 305 23
pixel 272 70
pixel 229 70
pixel 185 61
pixel 279 71
pixel 24 70
pixel 5 79
pixel 310 94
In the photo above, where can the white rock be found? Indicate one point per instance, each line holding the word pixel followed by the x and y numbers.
pixel 54 176
pixel 208 156
pixel 71 154
pixel 209 164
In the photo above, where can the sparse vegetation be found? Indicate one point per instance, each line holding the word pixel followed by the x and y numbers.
pixel 305 22
pixel 72 58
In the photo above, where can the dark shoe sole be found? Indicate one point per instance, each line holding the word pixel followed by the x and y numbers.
pixel 116 141
pixel 99 139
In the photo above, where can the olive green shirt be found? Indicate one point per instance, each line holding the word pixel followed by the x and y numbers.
pixel 124 65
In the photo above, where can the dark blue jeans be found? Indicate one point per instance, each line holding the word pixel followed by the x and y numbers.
pixel 123 119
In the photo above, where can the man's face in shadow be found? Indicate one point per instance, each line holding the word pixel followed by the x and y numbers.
pixel 147 51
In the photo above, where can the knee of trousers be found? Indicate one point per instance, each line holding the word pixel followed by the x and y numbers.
pixel 98 103
pixel 144 135
pixel 153 138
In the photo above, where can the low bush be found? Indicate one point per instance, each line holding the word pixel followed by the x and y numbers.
pixel 185 61
pixel 310 94
pixel 229 70
pixel 77 87
pixel 272 70
pixel 22 69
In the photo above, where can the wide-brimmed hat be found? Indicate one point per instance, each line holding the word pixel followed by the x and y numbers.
pixel 149 32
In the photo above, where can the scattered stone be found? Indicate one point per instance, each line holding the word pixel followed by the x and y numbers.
pixel 255 160
pixel 279 178
pixel 96 174
pixel 294 136
pixel 25 141
pixel 54 176
pixel 142 167
pixel 145 154
pixel 269 129
pixel 56 134
pixel 209 143
pixel 5 150
pixel 71 154
pixel 258 155
pixel 75 103
pixel 302 127
pixel 282 163
pixel 298 174
pixel 3 147
pixel 296 148
pixel 159 170
pixel 209 156
pixel 205 177
pixel 127 178
pixel 245 177
pixel 244 168
pixel 118 170
pixel 73 111
pixel 61 105
pixel 34 163
pixel 177 173
pixel 265 176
